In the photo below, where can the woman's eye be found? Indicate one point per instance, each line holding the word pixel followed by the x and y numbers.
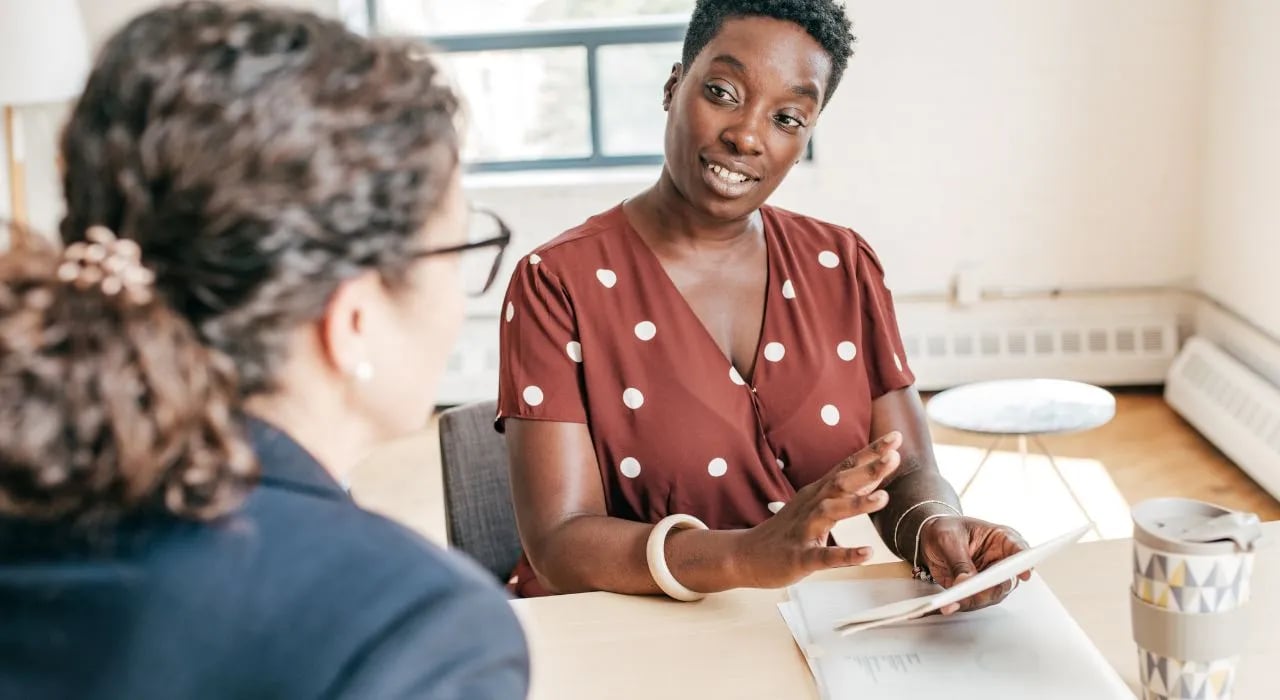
pixel 719 92
pixel 789 121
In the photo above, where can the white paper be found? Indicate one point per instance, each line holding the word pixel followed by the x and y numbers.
pixel 1028 646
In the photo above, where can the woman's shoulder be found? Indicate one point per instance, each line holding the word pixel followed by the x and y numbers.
pixel 599 232
pixel 807 232
pixel 349 538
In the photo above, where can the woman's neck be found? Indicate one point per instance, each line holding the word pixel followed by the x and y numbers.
pixel 333 438
pixel 672 220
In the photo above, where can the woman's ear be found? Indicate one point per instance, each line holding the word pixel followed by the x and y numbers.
pixel 344 329
pixel 668 90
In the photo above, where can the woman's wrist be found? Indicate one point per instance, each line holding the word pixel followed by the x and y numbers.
pixel 909 521
pixel 708 561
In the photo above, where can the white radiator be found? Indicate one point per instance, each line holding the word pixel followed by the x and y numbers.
pixel 947 347
pixel 1137 350
pixel 1232 406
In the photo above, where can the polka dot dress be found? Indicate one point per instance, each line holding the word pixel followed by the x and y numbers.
pixel 593 331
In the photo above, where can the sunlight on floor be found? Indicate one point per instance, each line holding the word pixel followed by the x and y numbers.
pixel 1029 499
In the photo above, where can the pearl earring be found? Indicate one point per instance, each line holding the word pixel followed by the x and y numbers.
pixel 363 371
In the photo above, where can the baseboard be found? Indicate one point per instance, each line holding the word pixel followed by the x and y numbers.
pixel 1125 340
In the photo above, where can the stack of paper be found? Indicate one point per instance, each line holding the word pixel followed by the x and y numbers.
pixel 1026 647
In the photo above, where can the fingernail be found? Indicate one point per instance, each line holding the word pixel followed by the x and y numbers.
pixel 864 551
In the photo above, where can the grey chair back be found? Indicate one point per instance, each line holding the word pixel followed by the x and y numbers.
pixel 477 488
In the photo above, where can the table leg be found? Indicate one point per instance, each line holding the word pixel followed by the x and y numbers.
pixel 1074 496
pixel 994 443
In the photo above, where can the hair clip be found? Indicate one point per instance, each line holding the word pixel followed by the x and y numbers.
pixel 112 264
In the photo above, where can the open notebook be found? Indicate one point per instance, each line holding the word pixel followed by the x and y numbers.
pixel 1028 646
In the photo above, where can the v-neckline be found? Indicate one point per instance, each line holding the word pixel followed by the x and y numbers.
pixel 758 355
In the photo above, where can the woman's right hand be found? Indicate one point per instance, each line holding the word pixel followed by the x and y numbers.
pixel 794 543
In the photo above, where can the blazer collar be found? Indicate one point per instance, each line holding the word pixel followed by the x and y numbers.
pixel 286 464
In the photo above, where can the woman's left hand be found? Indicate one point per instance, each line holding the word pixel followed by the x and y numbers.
pixel 954 548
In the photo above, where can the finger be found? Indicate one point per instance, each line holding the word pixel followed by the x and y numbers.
pixel 863 481
pixel 873 452
pixel 953 560
pixel 1002 543
pixel 830 511
pixel 987 598
pixel 820 558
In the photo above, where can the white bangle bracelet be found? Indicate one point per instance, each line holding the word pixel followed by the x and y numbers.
pixel 656 553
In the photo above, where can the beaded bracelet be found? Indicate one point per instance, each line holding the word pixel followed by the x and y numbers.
pixel 919 572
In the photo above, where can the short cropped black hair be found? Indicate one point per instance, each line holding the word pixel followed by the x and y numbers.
pixel 824 20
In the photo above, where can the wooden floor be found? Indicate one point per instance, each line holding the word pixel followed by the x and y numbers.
pixel 1149 452
pixel 1146 452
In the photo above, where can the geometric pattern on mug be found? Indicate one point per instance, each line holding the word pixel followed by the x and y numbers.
pixel 1170 679
pixel 1191 584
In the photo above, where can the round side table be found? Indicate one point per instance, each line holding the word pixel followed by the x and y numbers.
pixel 1024 409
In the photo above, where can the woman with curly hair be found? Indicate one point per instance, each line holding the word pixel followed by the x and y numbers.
pixel 696 360
pixel 261 282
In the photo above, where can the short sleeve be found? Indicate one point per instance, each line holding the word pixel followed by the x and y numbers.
pixel 887 368
pixel 540 354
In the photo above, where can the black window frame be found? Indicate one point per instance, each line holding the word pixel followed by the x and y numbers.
pixel 655 29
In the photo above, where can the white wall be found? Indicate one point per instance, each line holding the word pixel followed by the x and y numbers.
pixel 42 124
pixel 1047 142
pixel 1240 248
pixel 1050 142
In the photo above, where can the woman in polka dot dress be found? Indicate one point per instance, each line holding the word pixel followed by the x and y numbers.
pixel 695 352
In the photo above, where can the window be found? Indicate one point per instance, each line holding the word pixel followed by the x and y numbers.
pixel 551 83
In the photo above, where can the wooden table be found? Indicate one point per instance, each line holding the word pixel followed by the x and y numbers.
pixel 735 645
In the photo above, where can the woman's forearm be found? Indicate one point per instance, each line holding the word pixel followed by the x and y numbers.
pixel 917 480
pixel 909 494
pixel 600 553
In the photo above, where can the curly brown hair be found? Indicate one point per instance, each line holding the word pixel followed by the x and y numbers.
pixel 259 157
pixel 108 405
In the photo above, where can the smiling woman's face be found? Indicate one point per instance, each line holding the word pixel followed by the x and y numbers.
pixel 741 114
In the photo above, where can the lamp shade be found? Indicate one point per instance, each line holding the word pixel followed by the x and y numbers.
pixel 44 53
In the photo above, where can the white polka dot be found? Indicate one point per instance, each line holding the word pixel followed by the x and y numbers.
pixel 718 467
pixel 511 311
pixel 633 398
pixel 829 259
pixel 735 377
pixel 645 330
pixel 788 290
pixel 830 415
pixel 574 350
pixel 897 361
pixel 533 395
pixel 782 464
pixel 847 351
pixel 773 352
pixel 630 467
pixel 776 506
pixel 607 278
pixel 534 259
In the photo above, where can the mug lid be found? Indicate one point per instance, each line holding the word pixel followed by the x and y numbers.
pixel 1191 526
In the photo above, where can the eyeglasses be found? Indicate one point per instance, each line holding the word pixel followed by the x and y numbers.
pixel 487 239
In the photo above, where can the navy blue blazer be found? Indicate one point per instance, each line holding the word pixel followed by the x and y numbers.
pixel 300 594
